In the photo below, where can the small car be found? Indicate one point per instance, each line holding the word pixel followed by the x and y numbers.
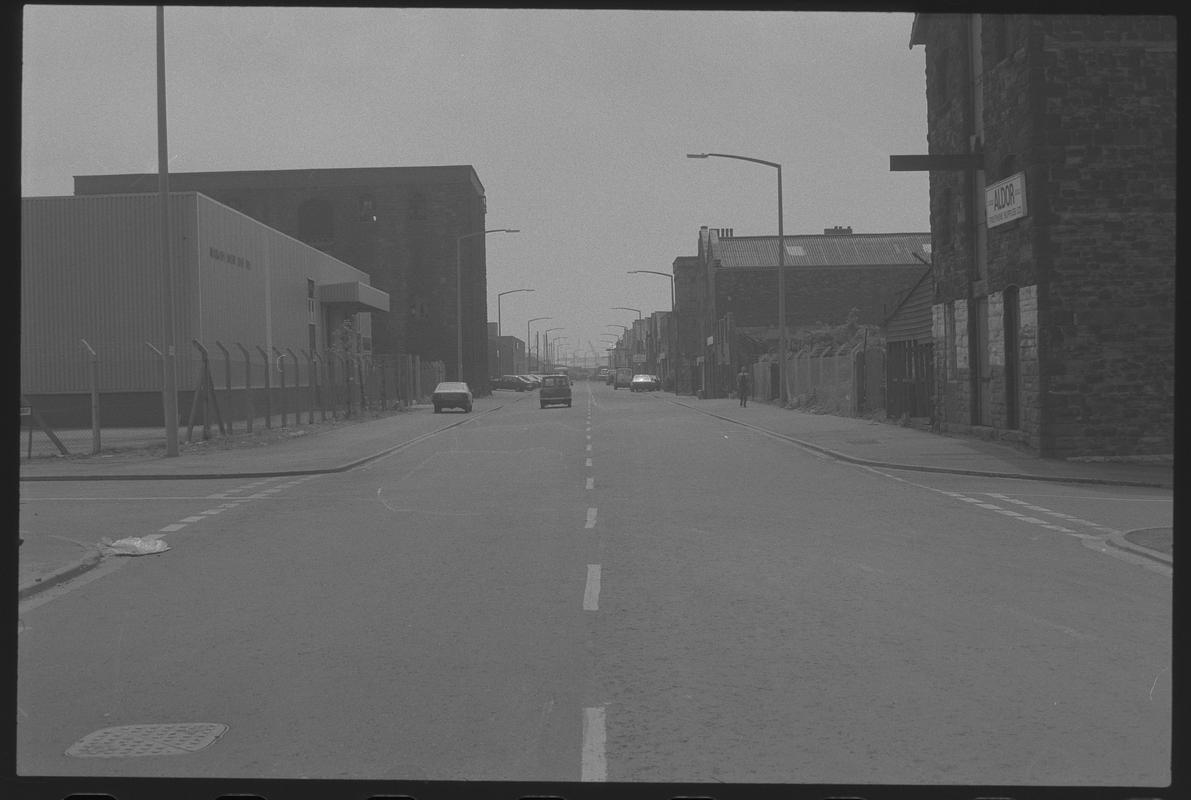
pixel 645 383
pixel 556 390
pixel 534 381
pixel 451 394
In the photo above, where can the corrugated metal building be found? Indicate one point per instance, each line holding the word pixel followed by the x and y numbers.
pixel 91 270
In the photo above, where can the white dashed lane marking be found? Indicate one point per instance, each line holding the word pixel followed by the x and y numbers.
pixel 591 518
pixel 591 592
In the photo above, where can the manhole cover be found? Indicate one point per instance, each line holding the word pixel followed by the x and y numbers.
pixel 127 741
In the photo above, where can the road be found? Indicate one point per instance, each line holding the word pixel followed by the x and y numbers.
pixel 625 590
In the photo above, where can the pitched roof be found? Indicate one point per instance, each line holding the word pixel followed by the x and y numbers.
pixel 825 250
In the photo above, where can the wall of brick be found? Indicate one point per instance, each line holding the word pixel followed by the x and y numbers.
pixel 1106 328
pixel 814 295
pixel 1084 106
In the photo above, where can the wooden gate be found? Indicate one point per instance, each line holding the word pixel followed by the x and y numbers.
pixel 909 369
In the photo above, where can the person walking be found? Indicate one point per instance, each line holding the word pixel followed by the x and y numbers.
pixel 742 387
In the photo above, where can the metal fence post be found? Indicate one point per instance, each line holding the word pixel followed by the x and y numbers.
pixel 268 389
pixel 94 376
pixel 249 413
pixel 227 374
pixel 281 369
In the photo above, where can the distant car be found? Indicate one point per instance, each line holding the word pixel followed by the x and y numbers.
pixel 514 382
pixel 534 380
pixel 610 377
pixel 451 395
pixel 624 378
pixel 645 383
pixel 556 390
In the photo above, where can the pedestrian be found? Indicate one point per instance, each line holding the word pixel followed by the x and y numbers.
pixel 742 387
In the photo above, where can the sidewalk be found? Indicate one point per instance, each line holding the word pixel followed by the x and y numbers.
pixel 342 445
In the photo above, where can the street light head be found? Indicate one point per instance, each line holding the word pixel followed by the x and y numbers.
pixel 696 155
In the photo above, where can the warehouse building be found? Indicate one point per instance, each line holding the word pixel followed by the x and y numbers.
pixel 413 230
pixel 92 281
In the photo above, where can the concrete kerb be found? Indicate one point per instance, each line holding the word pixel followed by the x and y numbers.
pixel 73 570
pixel 259 474
pixel 1120 541
pixel 93 557
pixel 922 468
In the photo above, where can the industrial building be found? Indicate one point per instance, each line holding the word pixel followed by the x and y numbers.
pixel 93 281
pixel 411 229
pixel 1053 211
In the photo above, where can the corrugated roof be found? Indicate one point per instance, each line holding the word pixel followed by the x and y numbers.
pixel 848 250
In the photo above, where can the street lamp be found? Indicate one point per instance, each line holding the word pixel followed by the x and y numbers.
pixel 499 355
pixel 674 355
pixel 459 293
pixel 535 319
pixel 546 343
pixel 781 264
pixel 626 308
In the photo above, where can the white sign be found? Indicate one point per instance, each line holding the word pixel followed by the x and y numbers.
pixel 638 358
pixel 1005 200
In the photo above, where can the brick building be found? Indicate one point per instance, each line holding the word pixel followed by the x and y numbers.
pixel 730 291
pixel 400 225
pixel 1053 312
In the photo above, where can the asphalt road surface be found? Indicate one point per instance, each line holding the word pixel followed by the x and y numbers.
pixel 624 590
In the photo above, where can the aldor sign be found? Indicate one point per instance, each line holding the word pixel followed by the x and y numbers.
pixel 1005 200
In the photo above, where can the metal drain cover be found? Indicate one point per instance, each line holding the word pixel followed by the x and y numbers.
pixel 127 741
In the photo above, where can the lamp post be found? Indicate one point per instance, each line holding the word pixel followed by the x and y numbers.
pixel 557 341
pixel 500 361
pixel 459 294
pixel 546 344
pixel 527 324
pixel 781 265
pixel 626 308
pixel 675 358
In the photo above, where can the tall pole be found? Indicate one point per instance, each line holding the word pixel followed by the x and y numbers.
pixel 459 294
pixel 169 391
pixel 500 359
pixel 781 293
pixel 674 358
pixel 781 264
pixel 527 346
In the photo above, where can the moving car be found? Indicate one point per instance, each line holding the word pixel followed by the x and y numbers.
pixel 556 390
pixel 624 378
pixel 645 383
pixel 451 394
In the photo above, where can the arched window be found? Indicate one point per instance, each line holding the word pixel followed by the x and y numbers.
pixel 316 220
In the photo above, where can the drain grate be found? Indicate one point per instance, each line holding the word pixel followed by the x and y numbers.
pixel 128 741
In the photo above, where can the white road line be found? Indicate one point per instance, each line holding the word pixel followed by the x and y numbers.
pixel 591 593
pixel 589 448
pixel 591 517
pixel 590 483
pixel 171 528
pixel 588 464
pixel 594 764
pixel 213 511
pixel 191 519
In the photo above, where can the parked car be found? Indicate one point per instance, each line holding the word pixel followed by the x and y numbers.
pixel 514 382
pixel 624 378
pixel 451 394
pixel 556 390
pixel 534 380
pixel 610 378
pixel 645 383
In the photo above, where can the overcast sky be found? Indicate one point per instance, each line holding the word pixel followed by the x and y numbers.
pixel 577 122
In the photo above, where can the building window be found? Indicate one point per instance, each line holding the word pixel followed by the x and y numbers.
pixel 316 221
